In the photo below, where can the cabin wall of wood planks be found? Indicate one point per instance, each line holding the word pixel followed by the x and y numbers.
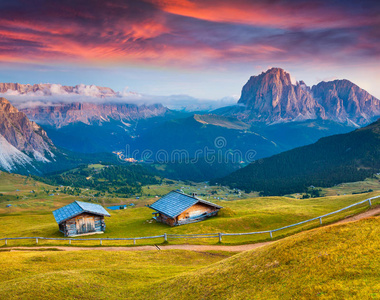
pixel 196 210
pixel 83 224
pixel 189 215
pixel 165 219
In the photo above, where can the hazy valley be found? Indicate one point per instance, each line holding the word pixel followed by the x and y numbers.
pixel 272 115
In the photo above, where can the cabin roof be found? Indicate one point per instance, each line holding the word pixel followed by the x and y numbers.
pixel 76 208
pixel 175 203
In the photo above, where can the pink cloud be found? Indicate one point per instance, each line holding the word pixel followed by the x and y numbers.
pixel 193 34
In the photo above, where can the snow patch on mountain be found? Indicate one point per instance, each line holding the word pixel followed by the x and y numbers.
pixel 11 157
pixel 40 157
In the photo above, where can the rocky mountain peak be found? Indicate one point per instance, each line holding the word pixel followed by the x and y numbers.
pixel 21 133
pixel 6 106
pixel 279 75
pixel 345 102
pixel 271 97
pixel 274 78
pixel 3 101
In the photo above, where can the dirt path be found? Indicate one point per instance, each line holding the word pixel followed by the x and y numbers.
pixel 236 248
pixel 366 214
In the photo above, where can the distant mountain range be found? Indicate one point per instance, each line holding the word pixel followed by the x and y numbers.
pixel 268 98
pixel 272 98
pixel 332 160
pixel 25 147
pixel 64 114
pixel 48 89
pixel 91 128
pixel 272 115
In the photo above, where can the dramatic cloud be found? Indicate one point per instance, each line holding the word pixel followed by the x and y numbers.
pixel 196 47
pixel 275 14
pixel 187 33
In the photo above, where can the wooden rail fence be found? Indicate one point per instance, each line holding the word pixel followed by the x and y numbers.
pixel 219 235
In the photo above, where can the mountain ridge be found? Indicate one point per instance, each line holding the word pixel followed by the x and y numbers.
pixel 271 98
pixel 332 160
pixel 21 140
pixel 95 104
pixel 345 101
pixel 58 89
pixel 63 114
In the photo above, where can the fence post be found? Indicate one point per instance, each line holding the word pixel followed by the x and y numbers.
pixel 320 221
pixel 369 202
pixel 70 241
pixel 220 237
pixel 134 241
pixel 271 236
pixel 36 240
pixel 165 237
pixel 100 242
pixel 6 242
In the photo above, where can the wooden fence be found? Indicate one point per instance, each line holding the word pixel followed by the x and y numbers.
pixel 218 235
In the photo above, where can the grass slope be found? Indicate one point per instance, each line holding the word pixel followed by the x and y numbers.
pixel 230 123
pixel 32 216
pixel 336 262
pixel 123 180
pixel 357 187
pixel 92 274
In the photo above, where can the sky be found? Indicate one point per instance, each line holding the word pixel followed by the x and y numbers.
pixel 206 49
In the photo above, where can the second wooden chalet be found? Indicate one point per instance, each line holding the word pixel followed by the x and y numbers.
pixel 177 208
pixel 79 218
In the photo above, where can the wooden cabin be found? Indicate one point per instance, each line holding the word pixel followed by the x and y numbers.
pixel 80 218
pixel 177 208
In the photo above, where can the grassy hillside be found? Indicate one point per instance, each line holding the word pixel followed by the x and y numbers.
pixel 222 121
pixel 341 158
pixel 356 187
pixel 30 214
pixel 198 171
pixel 125 180
pixel 337 262
pixel 92 274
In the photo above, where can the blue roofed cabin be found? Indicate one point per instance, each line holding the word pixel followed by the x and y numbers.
pixel 177 208
pixel 80 218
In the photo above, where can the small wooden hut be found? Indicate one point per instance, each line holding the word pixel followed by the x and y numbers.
pixel 177 208
pixel 79 218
